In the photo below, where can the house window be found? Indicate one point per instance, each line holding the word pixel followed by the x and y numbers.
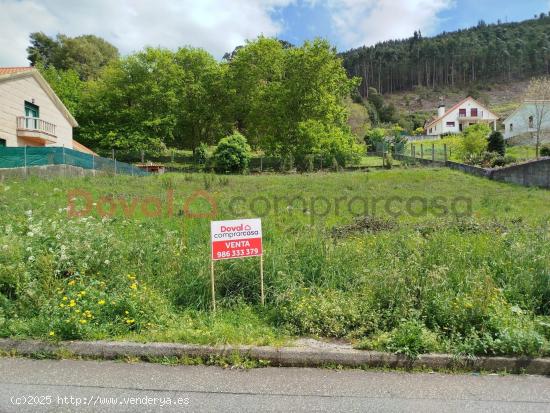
pixel 31 110
pixel 451 124
pixel 473 112
pixel 430 130
pixel 2 142
pixel 531 122
pixel 511 127
pixel 461 112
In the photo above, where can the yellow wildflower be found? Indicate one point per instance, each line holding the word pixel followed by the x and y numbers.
pixel 52 333
pixel 65 298
pixel 130 321
pixel 126 312
pixel 83 321
pixel 71 282
pixel 101 302
pixel 72 303
pixel 77 311
pixel 82 293
pixel 61 305
pixel 134 286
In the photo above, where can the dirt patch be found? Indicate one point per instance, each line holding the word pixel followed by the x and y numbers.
pixel 368 223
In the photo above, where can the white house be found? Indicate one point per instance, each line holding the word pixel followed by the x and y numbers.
pixel 524 120
pixel 31 114
pixel 465 113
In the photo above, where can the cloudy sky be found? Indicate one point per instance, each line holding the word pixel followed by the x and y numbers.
pixel 220 25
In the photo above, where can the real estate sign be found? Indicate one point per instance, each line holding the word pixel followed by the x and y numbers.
pixel 238 238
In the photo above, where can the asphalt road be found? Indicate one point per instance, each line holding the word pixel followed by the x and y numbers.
pixel 103 386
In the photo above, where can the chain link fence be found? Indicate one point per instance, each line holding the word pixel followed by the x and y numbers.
pixel 414 151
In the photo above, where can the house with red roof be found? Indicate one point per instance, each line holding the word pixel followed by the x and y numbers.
pixel 31 114
pixel 465 113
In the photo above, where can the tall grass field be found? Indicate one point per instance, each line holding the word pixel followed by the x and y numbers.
pixel 403 260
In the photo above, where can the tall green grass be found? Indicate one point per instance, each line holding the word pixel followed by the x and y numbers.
pixel 476 284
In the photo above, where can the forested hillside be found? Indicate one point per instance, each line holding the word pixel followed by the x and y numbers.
pixel 483 54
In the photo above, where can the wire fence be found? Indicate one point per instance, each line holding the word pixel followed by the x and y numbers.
pixel 415 151
pixel 31 156
pixel 179 161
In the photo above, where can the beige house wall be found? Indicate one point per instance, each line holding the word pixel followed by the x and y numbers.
pixel 13 94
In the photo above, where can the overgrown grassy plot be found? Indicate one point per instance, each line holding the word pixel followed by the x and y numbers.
pixel 410 283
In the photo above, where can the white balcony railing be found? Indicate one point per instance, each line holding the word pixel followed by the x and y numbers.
pixel 26 123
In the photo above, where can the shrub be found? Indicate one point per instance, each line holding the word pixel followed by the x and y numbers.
pixel 388 160
pixel 545 150
pixel 474 142
pixel 329 313
pixel 326 141
pixel 232 155
pixel 200 154
pixel 373 137
pixel 409 338
pixel 489 159
pixel 496 143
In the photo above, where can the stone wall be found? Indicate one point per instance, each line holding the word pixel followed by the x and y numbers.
pixel 532 173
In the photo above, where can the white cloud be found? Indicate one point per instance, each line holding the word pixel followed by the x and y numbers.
pixel 365 22
pixel 215 25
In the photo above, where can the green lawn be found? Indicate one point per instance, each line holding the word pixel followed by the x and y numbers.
pixel 407 277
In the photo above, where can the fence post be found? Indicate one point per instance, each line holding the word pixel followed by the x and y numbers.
pixel 412 150
pixel 261 164
pixel 26 170
pixel 115 166
pixel 142 156
pixel 113 154
pixel 422 151
pixel 433 152
pixel 93 165
pixel 445 152
pixel 172 155
pixel 64 162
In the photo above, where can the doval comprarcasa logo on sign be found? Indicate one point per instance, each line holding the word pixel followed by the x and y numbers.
pixel 239 238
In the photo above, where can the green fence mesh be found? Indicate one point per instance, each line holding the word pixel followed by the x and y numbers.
pixel 38 156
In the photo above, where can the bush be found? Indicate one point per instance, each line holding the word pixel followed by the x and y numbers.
pixel 232 155
pixel 200 154
pixel 374 137
pixel 490 160
pixel 329 313
pixel 326 141
pixel 474 142
pixel 410 338
pixel 496 143
pixel 545 150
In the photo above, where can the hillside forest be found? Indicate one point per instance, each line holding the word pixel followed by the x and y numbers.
pixel 287 101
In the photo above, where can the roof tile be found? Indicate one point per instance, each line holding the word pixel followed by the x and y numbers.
pixel 11 70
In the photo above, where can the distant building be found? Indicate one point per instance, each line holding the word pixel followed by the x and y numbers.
pixel 523 121
pixel 31 114
pixel 465 113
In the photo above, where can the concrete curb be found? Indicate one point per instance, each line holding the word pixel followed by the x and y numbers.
pixel 278 356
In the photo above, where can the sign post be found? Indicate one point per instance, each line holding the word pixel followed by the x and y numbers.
pixel 239 238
